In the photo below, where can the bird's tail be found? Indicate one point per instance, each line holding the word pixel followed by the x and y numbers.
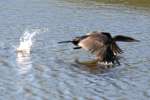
pixel 122 38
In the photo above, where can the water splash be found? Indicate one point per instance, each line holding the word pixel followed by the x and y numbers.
pixel 23 50
pixel 26 40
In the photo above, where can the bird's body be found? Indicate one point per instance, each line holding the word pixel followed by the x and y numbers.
pixel 102 44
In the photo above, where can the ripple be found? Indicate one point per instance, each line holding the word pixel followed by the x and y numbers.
pixel 49 71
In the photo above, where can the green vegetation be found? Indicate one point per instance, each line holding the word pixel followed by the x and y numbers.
pixel 141 3
pixel 136 3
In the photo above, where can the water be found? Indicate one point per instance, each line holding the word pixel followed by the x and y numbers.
pixel 48 70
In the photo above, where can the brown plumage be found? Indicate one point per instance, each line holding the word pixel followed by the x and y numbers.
pixel 102 44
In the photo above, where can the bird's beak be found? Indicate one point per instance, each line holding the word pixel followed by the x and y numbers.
pixel 65 42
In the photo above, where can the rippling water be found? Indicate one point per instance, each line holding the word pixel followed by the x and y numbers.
pixel 49 71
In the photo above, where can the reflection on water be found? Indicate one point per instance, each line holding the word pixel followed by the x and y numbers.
pixel 93 66
pixel 24 62
pixel 48 71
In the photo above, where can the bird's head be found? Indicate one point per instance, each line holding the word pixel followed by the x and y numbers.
pixel 76 40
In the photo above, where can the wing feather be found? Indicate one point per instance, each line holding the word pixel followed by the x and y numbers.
pixel 95 43
pixel 100 45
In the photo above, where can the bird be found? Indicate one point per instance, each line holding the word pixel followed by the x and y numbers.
pixel 101 44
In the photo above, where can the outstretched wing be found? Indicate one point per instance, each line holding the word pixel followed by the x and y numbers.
pixel 98 44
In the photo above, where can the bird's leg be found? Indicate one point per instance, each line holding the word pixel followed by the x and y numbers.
pixel 117 61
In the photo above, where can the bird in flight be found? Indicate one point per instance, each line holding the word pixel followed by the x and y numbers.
pixel 102 44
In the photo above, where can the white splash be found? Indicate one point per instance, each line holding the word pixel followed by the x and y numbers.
pixel 23 50
pixel 26 41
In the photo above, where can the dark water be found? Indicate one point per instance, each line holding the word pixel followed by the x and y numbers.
pixel 50 71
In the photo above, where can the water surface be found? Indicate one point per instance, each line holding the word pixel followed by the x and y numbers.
pixel 49 72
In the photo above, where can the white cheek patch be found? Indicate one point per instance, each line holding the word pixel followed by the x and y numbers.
pixel 89 33
pixel 84 46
